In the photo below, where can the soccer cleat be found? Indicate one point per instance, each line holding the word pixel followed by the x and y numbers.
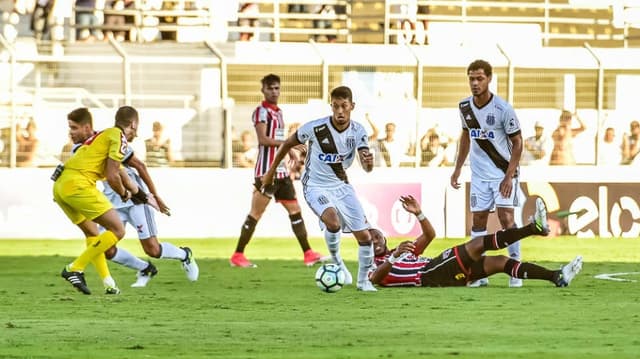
pixel 311 258
pixel 239 260
pixel 110 286
pixel 540 217
pixel 366 286
pixel 111 290
pixel 566 274
pixel 482 282
pixel 144 276
pixel 515 282
pixel 348 278
pixel 190 266
pixel 76 279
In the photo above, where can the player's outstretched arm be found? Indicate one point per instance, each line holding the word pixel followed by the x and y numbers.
pixel 287 145
pixel 114 180
pixel 411 205
pixel 136 163
pixel 463 150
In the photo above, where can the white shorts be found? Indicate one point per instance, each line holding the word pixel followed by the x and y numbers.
pixel 485 195
pixel 141 217
pixel 344 200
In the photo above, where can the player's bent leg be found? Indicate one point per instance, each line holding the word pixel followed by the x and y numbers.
pixel 259 204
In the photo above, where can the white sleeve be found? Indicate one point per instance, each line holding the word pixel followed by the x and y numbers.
pixel 305 132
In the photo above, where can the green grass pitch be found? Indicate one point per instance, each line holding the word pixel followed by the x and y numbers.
pixel 276 311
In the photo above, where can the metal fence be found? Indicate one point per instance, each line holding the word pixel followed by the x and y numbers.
pixel 204 93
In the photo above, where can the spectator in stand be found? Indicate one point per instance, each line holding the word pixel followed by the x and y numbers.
pixel 117 21
pixel 40 19
pixel 158 148
pixel 296 156
pixel 610 150
pixel 296 8
pixel 27 145
pixel 562 153
pixel 391 149
pixel 432 151
pixel 86 20
pixel 325 10
pixel 251 9
pixel 245 151
pixel 537 148
pixel 631 142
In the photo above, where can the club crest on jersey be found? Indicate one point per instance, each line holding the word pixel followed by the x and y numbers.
pixel 491 119
pixel 481 134
pixel 351 142
pixel 331 157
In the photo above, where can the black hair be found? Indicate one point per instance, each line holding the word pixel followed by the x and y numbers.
pixel 342 92
pixel 270 79
pixel 81 116
pixel 125 116
pixel 480 65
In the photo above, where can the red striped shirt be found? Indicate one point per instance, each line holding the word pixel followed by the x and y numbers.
pixel 271 115
pixel 404 272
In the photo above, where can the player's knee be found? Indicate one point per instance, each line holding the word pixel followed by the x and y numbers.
pixel 111 252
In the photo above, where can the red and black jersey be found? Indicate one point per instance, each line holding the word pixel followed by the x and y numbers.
pixel 271 115
pixel 406 271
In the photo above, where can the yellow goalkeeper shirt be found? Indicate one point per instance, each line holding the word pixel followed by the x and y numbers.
pixel 90 159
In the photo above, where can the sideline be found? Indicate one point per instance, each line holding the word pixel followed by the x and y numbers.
pixel 613 276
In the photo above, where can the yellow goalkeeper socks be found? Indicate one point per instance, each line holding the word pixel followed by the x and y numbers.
pixel 101 243
pixel 99 262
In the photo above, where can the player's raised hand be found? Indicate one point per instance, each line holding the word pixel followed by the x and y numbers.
pixel 410 204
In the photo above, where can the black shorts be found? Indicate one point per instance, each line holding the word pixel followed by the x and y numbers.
pixel 452 268
pixel 282 189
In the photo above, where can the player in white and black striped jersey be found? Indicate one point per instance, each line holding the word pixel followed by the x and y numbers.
pixel 491 137
pixel 333 143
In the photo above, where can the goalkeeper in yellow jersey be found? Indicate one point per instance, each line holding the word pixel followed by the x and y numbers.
pixel 75 190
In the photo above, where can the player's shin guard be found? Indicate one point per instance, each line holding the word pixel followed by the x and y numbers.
pixel 104 241
pixel 365 261
pixel 333 244
pixel 299 229
pixel 526 270
pixel 125 258
pixel 99 262
pixel 248 227
pixel 505 238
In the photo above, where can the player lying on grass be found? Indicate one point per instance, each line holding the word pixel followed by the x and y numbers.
pixel 463 264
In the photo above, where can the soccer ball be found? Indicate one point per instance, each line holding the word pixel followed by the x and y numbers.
pixel 330 278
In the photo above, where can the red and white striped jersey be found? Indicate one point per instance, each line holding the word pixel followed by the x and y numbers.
pixel 406 271
pixel 271 115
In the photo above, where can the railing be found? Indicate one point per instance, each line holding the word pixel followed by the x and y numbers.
pixel 547 14
pixel 148 23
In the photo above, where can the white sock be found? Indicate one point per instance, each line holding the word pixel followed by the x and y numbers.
pixel 172 252
pixel 128 260
pixel 109 282
pixel 333 244
pixel 514 250
pixel 365 261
